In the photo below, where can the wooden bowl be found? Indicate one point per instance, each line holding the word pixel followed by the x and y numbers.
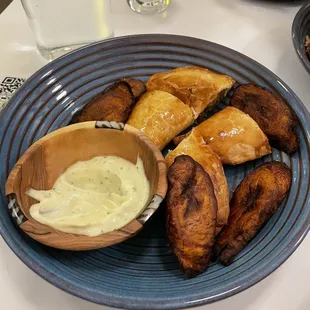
pixel 50 156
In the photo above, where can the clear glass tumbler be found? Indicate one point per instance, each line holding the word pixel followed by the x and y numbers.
pixel 148 6
pixel 60 26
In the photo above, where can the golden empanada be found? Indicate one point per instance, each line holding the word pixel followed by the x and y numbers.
pixel 161 116
pixel 197 87
pixel 234 136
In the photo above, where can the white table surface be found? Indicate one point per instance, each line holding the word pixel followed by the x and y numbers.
pixel 259 29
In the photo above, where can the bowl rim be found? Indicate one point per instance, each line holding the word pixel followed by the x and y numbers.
pixel 300 46
pixel 47 235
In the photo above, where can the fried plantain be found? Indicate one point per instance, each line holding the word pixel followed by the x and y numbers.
pixel 254 201
pixel 271 113
pixel 191 215
pixel 195 147
pixel 113 104
pixel 137 86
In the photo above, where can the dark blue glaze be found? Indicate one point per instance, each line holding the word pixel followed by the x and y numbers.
pixel 142 273
pixel 301 28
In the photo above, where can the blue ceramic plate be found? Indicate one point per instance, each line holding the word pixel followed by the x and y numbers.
pixel 142 273
pixel 301 28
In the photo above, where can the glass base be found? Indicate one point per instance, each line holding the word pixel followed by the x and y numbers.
pixel 148 6
pixel 55 52
pixel 52 53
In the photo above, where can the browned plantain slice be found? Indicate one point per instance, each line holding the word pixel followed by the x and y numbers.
pixel 113 104
pixel 271 113
pixel 191 215
pixel 195 147
pixel 255 200
pixel 137 86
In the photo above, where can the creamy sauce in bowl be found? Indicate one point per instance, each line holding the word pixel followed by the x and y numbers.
pixel 93 197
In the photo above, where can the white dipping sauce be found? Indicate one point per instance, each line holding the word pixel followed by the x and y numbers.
pixel 93 197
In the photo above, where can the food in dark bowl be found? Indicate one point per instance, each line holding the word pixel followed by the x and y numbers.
pixel 307 45
pixel 301 34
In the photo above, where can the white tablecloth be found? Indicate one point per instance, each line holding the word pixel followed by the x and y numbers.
pixel 258 29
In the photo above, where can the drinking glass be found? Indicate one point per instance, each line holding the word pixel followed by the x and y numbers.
pixel 60 26
pixel 148 6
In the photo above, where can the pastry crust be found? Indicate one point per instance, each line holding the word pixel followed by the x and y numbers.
pixel 234 136
pixel 254 201
pixel 199 88
pixel 191 215
pixel 161 116
pixel 195 147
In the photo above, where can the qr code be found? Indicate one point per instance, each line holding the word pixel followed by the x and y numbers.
pixel 7 88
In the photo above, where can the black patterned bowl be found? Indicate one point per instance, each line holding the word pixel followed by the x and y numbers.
pixel 142 273
pixel 300 29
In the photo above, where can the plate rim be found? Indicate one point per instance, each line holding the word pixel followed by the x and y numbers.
pixel 175 303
